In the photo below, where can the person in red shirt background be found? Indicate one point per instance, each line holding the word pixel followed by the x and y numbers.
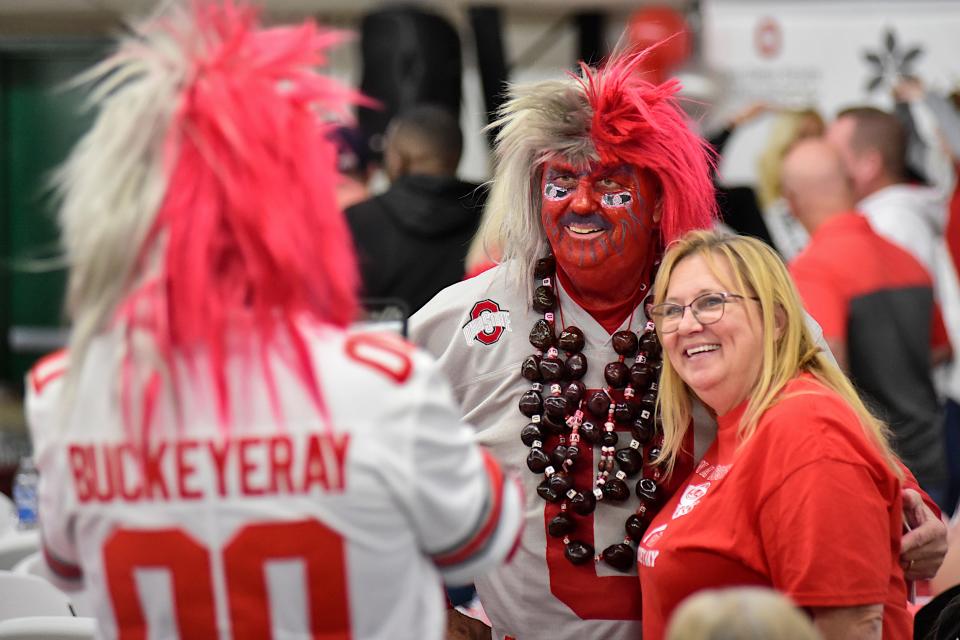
pixel 801 490
pixel 875 304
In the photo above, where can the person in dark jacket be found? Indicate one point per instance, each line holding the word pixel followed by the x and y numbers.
pixel 412 239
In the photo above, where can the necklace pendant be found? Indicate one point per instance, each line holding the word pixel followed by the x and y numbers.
pixel 578 552
pixel 620 556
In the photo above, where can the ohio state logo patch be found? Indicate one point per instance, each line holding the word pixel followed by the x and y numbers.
pixel 487 323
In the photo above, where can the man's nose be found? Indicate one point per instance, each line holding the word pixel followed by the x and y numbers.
pixel 583 198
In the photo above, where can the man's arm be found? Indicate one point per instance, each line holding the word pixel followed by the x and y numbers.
pixel 923 547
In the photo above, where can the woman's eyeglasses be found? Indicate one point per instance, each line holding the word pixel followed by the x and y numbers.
pixel 707 308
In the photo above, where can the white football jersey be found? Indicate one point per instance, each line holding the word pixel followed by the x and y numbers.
pixel 290 525
pixel 478 331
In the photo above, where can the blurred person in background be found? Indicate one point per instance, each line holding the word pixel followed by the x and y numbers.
pixel 789 127
pixel 875 304
pixel 762 212
pixel 935 120
pixel 873 148
pixel 353 165
pixel 213 423
pixel 739 613
pixel 801 491
pixel 412 239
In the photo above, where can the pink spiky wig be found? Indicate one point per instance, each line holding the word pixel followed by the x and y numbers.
pixel 199 210
pixel 610 115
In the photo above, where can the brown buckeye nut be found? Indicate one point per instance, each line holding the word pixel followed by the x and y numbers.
pixel 578 552
pixel 642 429
pixel 531 403
pixel 625 343
pixel 530 369
pixel 544 299
pixel 650 345
pixel 636 526
pixel 574 392
pixel 561 525
pixel 616 489
pixel 640 375
pixel 584 503
pixel 530 434
pixel 620 556
pixel 541 335
pixel 554 424
pixel 576 366
pixel 573 452
pixel 537 460
pixel 648 400
pixel 560 482
pixel 555 407
pixel 623 412
pixel 609 439
pixel 653 454
pixel 558 455
pixel 647 490
pixel 598 402
pixel 590 433
pixel 551 369
pixel 571 340
pixel 547 493
pixel 616 374
pixel 544 267
pixel 629 460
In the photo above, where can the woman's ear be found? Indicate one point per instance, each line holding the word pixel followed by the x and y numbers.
pixel 779 321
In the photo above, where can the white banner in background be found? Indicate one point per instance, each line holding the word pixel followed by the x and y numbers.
pixel 800 53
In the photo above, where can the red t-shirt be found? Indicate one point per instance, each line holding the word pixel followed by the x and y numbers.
pixel 808 506
pixel 846 259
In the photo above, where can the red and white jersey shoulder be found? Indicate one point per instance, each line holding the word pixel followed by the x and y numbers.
pixel 43 386
pixel 286 527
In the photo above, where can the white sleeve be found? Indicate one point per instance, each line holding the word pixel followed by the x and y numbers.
pixel 466 512
pixel 44 391
pixel 937 163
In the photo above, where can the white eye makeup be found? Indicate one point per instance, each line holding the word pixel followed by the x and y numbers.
pixel 620 199
pixel 552 191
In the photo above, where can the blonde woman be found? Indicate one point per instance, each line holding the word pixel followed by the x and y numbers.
pixel 789 127
pixel 742 613
pixel 800 491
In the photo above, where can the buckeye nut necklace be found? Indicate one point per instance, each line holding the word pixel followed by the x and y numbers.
pixel 563 415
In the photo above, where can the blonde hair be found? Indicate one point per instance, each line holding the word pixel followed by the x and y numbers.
pixel 757 271
pixel 743 613
pixel 788 129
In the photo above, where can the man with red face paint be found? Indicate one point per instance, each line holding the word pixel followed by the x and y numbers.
pixel 550 354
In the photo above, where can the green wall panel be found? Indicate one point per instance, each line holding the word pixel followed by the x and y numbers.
pixel 40 120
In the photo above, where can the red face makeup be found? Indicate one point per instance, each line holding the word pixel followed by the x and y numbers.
pixel 600 221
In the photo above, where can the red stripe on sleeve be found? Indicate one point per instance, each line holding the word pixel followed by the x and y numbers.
pixel 483 533
pixel 60 567
pixel 48 369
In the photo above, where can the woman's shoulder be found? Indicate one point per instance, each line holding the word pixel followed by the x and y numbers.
pixel 814 422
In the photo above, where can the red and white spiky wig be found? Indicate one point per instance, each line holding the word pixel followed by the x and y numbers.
pixel 199 209
pixel 609 115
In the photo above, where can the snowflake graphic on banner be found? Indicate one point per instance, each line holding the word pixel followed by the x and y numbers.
pixel 890 61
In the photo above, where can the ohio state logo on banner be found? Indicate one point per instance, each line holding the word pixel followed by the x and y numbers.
pixel 487 323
